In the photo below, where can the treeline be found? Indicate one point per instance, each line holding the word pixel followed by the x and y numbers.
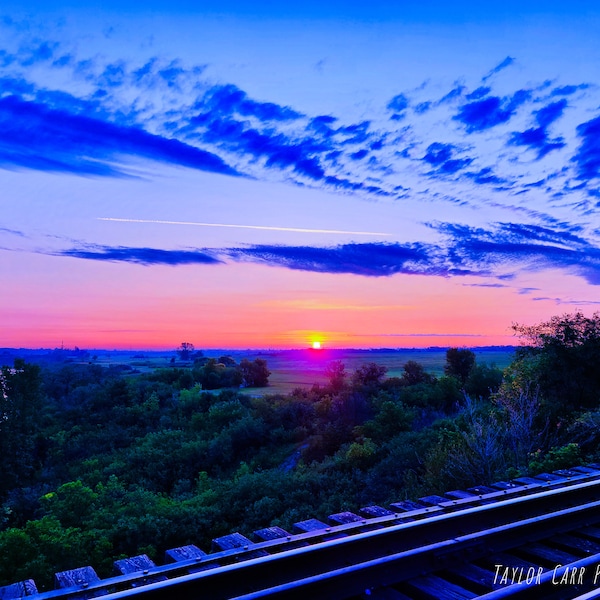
pixel 98 464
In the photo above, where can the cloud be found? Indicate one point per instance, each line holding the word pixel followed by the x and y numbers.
pixel 433 335
pixel 587 157
pixel 550 113
pixel 507 62
pixel 230 100
pixel 398 105
pixel 441 156
pixel 497 252
pixel 486 176
pixel 491 111
pixel 36 52
pixel 514 247
pixel 371 260
pixel 38 137
pixel 479 93
pixel 537 138
pixel 486 285
pixel 560 301
pixel 11 232
pixel 568 90
pixel 141 256
pixel 308 155
pixel 103 113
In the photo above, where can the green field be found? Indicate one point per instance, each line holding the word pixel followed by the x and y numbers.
pixel 303 368
pixel 290 369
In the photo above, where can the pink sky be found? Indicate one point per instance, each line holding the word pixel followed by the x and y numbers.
pixel 235 175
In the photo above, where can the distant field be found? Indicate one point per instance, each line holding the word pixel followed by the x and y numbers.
pixel 303 368
pixel 290 369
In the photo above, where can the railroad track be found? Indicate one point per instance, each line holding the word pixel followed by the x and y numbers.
pixel 528 538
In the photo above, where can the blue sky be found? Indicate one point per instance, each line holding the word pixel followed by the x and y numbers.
pixel 338 170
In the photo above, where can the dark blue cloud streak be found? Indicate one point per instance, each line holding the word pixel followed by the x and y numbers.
pixel 48 139
pixel 495 252
pixel 537 138
pixel 491 111
pixel 587 157
pixel 142 256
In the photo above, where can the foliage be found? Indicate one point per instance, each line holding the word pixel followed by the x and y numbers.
pixel 255 373
pixel 103 463
pixel 459 363
pixel 415 373
pixel 185 350
pixel 21 447
pixel 337 376
pixel 562 457
pixel 562 356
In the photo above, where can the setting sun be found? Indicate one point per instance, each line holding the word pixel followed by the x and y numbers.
pixel 316 345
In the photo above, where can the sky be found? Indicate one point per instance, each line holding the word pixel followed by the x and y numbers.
pixel 266 175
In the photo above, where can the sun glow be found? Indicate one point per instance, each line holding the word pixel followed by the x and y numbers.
pixel 316 345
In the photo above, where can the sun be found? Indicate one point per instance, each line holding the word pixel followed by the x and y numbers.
pixel 316 345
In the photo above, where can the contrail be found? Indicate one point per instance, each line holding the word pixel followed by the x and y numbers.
pixel 262 227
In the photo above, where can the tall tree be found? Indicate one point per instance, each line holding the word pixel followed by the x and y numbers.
pixel 459 363
pixel 562 357
pixel 185 350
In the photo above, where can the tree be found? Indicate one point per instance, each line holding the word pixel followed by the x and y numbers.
pixel 414 373
pixel 459 362
pixel 369 375
pixel 185 350
pixel 255 373
pixel 562 356
pixel 483 380
pixel 524 427
pixel 336 374
pixel 566 331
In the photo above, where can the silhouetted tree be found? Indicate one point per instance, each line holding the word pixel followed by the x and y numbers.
pixel 459 362
pixel 336 374
pixel 255 373
pixel 562 357
pixel 369 375
pixel 185 350
pixel 414 373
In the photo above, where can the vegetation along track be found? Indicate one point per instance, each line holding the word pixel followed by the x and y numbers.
pixel 528 538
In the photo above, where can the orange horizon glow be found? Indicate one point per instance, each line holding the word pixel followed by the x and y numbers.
pixel 238 307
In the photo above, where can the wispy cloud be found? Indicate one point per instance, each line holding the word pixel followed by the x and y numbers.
pixel 587 157
pixel 507 62
pixel 8 231
pixel 141 256
pixel 429 335
pixel 102 115
pixel 371 260
pixel 495 253
pixel 537 138
pixel 491 111
pixel 37 137
pixel 562 301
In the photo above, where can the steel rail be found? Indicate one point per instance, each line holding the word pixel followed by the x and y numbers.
pixel 393 569
pixel 343 566
pixel 591 595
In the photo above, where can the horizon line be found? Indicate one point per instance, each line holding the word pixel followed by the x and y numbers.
pixel 257 349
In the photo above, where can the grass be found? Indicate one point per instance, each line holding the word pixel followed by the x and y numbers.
pixel 290 369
